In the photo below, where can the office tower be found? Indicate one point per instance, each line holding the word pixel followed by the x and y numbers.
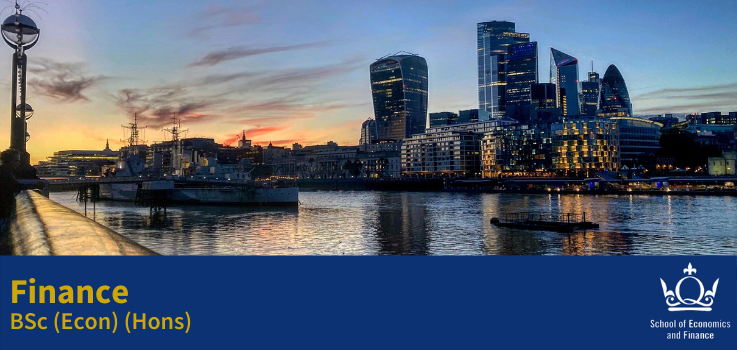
pixel 544 106
pixel 564 74
pixel 442 118
pixel 399 89
pixel 590 93
pixel 543 96
pixel 473 115
pixel 614 100
pixel 493 38
pixel 521 74
pixel 369 134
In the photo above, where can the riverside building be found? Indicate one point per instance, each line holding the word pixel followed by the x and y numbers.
pixel 636 136
pixel 77 163
pixel 583 146
pixel 517 150
pixel 441 153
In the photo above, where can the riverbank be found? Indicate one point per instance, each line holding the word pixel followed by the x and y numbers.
pixel 707 186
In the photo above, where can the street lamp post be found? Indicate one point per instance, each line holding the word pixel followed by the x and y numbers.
pixel 21 33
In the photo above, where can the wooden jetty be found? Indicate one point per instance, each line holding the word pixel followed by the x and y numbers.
pixel 565 223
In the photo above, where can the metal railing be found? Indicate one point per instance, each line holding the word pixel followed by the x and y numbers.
pixel 529 217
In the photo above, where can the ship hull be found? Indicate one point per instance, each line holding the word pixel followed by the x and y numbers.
pixel 245 196
pixel 288 196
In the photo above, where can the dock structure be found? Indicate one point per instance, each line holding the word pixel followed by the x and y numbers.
pixel 40 226
pixel 565 222
pixel 156 199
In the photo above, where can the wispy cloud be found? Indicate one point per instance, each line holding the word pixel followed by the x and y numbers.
pixel 220 17
pixel 156 107
pixel 689 100
pixel 63 81
pixel 694 92
pixel 238 98
pixel 215 57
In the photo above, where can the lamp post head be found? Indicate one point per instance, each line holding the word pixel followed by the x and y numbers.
pixel 20 31
pixel 29 111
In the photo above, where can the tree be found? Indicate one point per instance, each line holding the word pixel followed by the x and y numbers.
pixel 683 148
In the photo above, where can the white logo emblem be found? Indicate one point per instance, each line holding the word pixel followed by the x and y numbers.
pixel 689 303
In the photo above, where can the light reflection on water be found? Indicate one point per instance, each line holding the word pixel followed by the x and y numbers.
pixel 434 223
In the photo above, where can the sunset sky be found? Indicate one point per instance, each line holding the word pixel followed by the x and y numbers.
pixel 297 71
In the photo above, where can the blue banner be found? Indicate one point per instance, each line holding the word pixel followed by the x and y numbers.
pixel 369 302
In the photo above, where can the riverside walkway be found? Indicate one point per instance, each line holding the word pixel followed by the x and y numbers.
pixel 40 226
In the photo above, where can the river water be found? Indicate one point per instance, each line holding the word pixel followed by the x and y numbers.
pixel 428 223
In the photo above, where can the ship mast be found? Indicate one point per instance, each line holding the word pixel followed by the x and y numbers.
pixel 133 139
pixel 176 148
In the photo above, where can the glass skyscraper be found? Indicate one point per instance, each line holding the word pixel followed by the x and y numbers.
pixel 399 89
pixel 614 100
pixel 521 74
pixel 493 39
pixel 564 74
pixel 369 133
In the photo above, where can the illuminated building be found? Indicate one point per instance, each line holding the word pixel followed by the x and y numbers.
pixel 543 96
pixel 399 89
pixel 521 74
pixel 590 94
pixel 442 118
pixel 479 127
pixel 582 146
pixel 473 115
pixel 544 106
pixel 714 118
pixel 614 100
pixel 441 153
pixel 77 163
pixel 369 133
pixel 724 136
pixel 452 150
pixel 564 74
pixel 493 39
pixel 724 165
pixel 243 142
pixel 668 120
pixel 517 150
pixel 636 136
pixel 462 117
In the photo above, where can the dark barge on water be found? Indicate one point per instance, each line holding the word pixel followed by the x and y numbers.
pixel 565 223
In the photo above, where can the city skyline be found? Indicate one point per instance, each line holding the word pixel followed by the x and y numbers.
pixel 96 62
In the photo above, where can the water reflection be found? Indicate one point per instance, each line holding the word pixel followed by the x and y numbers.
pixel 377 223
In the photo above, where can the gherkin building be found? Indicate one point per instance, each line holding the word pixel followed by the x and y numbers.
pixel 614 100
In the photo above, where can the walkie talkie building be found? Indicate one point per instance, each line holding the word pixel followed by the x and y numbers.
pixel 399 89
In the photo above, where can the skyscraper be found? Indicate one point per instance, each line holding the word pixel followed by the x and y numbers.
pixel 564 74
pixel 590 93
pixel 493 38
pixel 543 96
pixel 614 100
pixel 368 132
pixel 521 74
pixel 544 104
pixel 399 89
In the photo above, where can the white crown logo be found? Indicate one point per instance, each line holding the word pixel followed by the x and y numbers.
pixel 689 304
